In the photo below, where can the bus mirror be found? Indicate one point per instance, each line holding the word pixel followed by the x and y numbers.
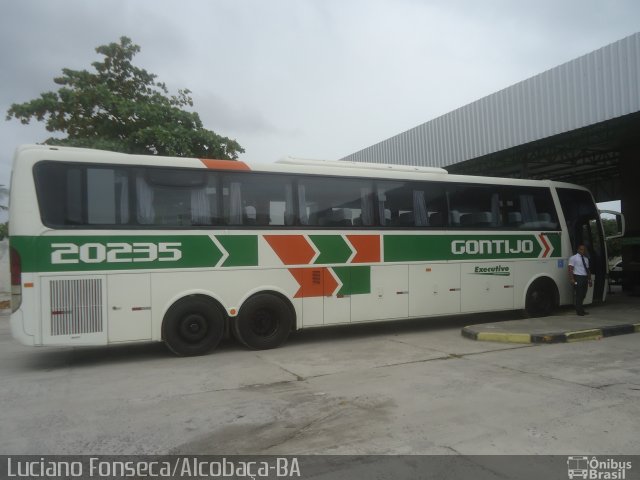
pixel 613 227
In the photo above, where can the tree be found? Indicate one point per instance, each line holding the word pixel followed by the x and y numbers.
pixel 4 227
pixel 123 108
pixel 614 246
pixel 4 193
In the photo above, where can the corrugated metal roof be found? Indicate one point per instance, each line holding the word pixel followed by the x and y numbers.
pixel 599 86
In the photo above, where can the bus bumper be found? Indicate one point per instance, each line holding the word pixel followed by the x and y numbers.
pixel 18 329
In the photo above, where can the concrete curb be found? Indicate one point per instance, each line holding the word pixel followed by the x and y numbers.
pixel 474 332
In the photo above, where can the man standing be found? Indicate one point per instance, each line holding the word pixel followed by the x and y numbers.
pixel 580 277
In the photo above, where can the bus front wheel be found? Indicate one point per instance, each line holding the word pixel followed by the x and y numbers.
pixel 193 326
pixel 264 322
pixel 541 298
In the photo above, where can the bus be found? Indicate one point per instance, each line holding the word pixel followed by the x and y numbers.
pixel 108 248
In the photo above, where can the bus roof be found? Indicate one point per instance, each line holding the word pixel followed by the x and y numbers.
pixel 359 165
pixel 286 165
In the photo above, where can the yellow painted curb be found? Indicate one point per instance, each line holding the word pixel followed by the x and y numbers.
pixel 580 335
pixel 504 337
pixel 636 327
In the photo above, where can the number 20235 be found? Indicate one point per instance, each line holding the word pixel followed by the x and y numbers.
pixel 117 252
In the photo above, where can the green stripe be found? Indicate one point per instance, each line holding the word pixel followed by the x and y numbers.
pixel 242 249
pixel 411 248
pixel 355 280
pixel 556 242
pixel 69 253
pixel 118 252
pixel 333 249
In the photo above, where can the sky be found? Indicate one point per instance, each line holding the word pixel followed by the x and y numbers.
pixel 303 78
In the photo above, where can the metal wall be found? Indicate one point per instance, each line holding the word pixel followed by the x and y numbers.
pixel 601 85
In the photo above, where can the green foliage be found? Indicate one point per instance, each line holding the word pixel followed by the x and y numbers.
pixel 4 193
pixel 4 227
pixel 614 246
pixel 123 108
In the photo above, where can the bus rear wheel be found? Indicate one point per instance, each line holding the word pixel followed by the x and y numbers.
pixel 541 298
pixel 193 326
pixel 264 322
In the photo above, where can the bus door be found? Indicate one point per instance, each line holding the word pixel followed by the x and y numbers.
pixel 487 286
pixel 129 307
pixel 434 289
pixel 388 297
pixel 337 299
pixel 584 227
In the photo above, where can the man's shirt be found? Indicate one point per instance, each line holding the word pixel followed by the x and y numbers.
pixel 578 266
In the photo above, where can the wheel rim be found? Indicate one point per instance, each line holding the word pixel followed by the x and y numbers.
pixel 264 323
pixel 193 328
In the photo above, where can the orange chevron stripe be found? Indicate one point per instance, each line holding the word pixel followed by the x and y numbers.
pixel 547 247
pixel 367 248
pixel 224 164
pixel 292 249
pixel 314 282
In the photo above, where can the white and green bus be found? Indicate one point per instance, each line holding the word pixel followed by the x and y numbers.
pixel 109 248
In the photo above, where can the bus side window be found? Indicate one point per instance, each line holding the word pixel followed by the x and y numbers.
pixel 397 199
pixel 411 204
pixel 81 195
pixel 257 200
pixel 474 206
pixel 514 219
pixel 175 197
pixel 249 216
pixel 528 208
pixel 454 218
pixel 436 219
pixel 335 202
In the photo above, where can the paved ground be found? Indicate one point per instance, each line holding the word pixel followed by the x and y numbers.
pixel 415 387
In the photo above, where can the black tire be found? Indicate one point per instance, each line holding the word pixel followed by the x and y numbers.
pixel 264 322
pixel 193 326
pixel 541 298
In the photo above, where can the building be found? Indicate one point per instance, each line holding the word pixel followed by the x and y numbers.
pixel 578 122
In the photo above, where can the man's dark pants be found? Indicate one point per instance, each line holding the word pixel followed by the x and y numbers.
pixel 580 291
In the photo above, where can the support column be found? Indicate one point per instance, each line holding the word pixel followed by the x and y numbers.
pixel 630 203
